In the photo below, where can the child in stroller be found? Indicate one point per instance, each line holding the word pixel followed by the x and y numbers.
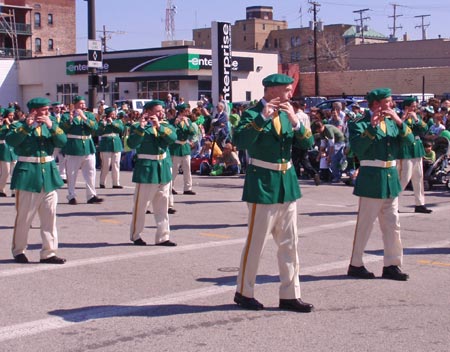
pixel 437 171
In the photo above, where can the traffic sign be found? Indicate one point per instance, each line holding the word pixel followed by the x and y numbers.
pixel 95 55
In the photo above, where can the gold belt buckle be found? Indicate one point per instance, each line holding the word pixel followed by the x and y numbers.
pixel 388 164
pixel 42 158
pixel 283 167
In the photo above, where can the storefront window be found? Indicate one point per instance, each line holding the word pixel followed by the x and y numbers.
pixel 157 89
pixel 66 92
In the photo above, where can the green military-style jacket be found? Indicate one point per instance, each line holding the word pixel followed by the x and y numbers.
pixel 184 133
pixel 151 141
pixel 260 139
pixel 108 142
pixel 371 143
pixel 29 142
pixel 6 151
pixel 84 145
pixel 414 150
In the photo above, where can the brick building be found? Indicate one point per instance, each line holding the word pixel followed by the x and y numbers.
pixel 37 28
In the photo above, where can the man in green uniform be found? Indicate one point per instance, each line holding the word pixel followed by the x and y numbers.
pixel 35 179
pixel 110 147
pixel 7 156
pixel 410 165
pixel 376 139
pixel 79 125
pixel 267 131
pixel 181 149
pixel 151 137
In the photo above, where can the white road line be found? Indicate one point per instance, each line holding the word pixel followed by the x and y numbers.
pixel 128 308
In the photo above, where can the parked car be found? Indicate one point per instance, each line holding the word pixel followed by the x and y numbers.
pixel 327 105
pixel 312 101
pixel 133 104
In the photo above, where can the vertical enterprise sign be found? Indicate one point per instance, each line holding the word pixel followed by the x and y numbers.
pixel 221 60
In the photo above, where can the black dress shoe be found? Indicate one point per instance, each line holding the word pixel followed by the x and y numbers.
pixel 422 209
pixel 118 187
pixel 360 271
pixel 171 211
pixel 102 186
pixel 167 243
pixel 53 260
pixel 2 194
pixel 73 201
pixel 393 272
pixel 148 212
pixel 21 258
pixel 191 193
pixel 95 200
pixel 247 303
pixel 296 305
pixel 173 191
pixel 140 242
pixel 64 180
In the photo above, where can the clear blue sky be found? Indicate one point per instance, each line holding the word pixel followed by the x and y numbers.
pixel 142 23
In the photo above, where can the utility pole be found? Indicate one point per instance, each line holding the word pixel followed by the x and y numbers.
pixel 423 26
pixel 395 27
pixel 107 35
pixel 92 71
pixel 361 21
pixel 314 10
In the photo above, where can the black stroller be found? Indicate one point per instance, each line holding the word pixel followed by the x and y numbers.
pixel 438 172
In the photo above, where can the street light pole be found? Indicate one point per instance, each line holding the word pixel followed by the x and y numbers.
pixel 316 66
pixel 92 71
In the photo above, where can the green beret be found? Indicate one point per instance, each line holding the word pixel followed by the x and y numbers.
pixel 121 113
pixel 409 100
pixel 56 103
pixel 109 110
pixel 378 94
pixel 37 103
pixel 153 103
pixel 78 98
pixel 277 79
pixel 181 107
pixel 8 111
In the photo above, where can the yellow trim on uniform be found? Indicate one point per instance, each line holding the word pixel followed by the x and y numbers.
pixel 139 133
pixel 407 132
pixel 249 241
pixel 307 134
pixel 255 126
pixel 367 134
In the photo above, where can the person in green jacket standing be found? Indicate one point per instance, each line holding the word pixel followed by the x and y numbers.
pixel 110 147
pixel 376 139
pixel 268 131
pixel 36 179
pixel 151 137
pixel 79 125
pixel 410 165
pixel 7 156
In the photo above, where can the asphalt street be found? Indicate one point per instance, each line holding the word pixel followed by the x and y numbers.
pixel 114 296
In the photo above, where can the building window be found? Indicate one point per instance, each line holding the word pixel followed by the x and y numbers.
pixel 65 92
pixel 266 43
pixel 157 89
pixel 38 45
pixel 244 27
pixel 245 38
pixel 264 26
pixel 50 19
pixel 50 44
pixel 37 20
pixel 275 43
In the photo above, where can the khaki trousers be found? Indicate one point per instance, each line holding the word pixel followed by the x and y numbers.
pixel 386 210
pixel 412 170
pixel 6 169
pixel 87 165
pixel 113 160
pixel 27 205
pixel 185 162
pixel 61 162
pixel 280 221
pixel 158 195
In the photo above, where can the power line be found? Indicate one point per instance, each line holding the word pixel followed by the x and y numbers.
pixel 423 26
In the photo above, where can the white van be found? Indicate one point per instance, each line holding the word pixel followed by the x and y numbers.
pixel 133 104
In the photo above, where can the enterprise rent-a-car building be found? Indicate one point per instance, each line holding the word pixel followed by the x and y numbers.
pixel 149 73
